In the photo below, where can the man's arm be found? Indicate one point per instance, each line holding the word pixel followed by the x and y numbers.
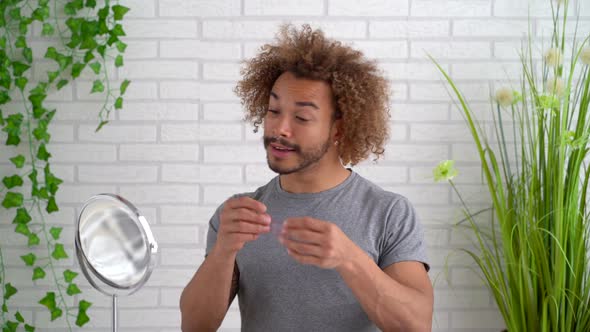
pixel 205 300
pixel 398 298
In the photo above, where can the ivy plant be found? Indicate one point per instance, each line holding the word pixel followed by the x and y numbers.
pixel 84 36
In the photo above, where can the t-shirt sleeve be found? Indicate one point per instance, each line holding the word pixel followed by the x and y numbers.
pixel 404 236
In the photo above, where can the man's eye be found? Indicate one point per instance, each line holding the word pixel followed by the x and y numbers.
pixel 273 111
pixel 301 119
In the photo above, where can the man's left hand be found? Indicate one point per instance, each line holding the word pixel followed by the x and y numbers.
pixel 316 242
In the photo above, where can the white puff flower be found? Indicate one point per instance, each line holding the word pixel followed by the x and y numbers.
pixel 555 86
pixel 553 57
pixel 504 96
pixel 585 55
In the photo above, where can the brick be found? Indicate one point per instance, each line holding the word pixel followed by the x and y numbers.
pixel 440 132
pixel 197 49
pixel 411 71
pixel 436 237
pixel 182 256
pixel 176 235
pixel 337 29
pixel 117 134
pixel 252 136
pixel 509 50
pixel 474 91
pixel 201 132
pixel 218 194
pixel 136 90
pixel 185 214
pixel 406 29
pixel 416 152
pixel 138 29
pixel 95 153
pixel 153 317
pixel 473 194
pixel 118 174
pixel 456 298
pixel 368 8
pixel 486 70
pixel 422 194
pixel 282 7
pixel 481 111
pixel 221 71
pixel 141 50
pixel 170 277
pixel 201 173
pixel 234 154
pixel 383 174
pixel 77 111
pixel 181 111
pixel 194 90
pixel 76 193
pixel 398 132
pixel 423 112
pixel 202 8
pixel 450 50
pixel 383 49
pixel 473 319
pixel 159 152
pixel 507 8
pixel 160 69
pixel 450 8
pixel 240 29
pixel 222 112
pixel 490 28
pixel 140 8
pixel 161 193
pixel 544 28
pixel 145 298
pixel 170 297
pixel 259 174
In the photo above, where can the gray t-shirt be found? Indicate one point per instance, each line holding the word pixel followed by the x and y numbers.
pixel 276 293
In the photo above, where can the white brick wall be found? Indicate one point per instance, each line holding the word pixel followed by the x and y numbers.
pixel 179 147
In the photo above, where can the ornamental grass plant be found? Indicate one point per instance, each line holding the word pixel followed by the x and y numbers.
pixel 534 254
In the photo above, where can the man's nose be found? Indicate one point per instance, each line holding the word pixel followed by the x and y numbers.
pixel 284 126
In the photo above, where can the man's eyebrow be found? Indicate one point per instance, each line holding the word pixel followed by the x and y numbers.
pixel 298 103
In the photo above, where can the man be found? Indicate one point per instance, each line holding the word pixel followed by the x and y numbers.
pixel 343 254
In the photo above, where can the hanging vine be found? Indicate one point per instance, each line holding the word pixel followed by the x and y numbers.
pixel 85 35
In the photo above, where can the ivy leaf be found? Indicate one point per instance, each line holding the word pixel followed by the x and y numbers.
pixel 88 56
pixel 29 259
pixel 124 86
pixel 38 273
pixel 48 29
pixel 22 216
pixel 103 12
pixel 117 30
pixel 9 291
pixel 40 14
pixel 119 12
pixel 28 54
pixel 95 66
pixel 13 181
pixel 19 317
pixel 12 199
pixel 20 42
pixel 51 181
pixel 37 99
pixel 21 82
pixel 29 328
pixel 56 313
pixel 77 69
pixel 119 61
pixel 73 290
pixel 4 97
pixel 59 252
pixel 51 205
pixel 102 123
pixel 69 275
pixel 82 317
pixel 97 86
pixel 121 46
pixel 42 152
pixel 33 240
pixel 61 84
pixel 18 68
pixel 90 3
pixel 101 50
pixel 10 326
pixel 55 231
pixel 18 161
pixel 119 103
pixel 51 53
pixel 22 229
pixel 52 75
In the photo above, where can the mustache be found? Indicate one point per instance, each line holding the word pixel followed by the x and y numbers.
pixel 273 139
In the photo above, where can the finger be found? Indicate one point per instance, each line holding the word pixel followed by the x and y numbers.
pixel 306 223
pixel 247 227
pixel 302 248
pixel 244 237
pixel 304 235
pixel 304 259
pixel 244 214
pixel 246 202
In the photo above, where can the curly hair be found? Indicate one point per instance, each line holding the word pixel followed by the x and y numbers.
pixel 361 93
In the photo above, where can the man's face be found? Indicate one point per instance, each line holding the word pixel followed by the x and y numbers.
pixel 298 126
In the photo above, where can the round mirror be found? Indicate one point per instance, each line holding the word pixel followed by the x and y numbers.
pixel 115 246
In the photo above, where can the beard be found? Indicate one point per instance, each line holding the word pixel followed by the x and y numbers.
pixel 306 158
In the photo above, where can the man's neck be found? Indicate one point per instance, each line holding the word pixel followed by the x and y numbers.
pixel 314 180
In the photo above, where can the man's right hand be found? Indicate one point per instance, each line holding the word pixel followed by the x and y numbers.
pixel 241 220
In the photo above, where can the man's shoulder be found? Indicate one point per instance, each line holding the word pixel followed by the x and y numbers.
pixel 375 192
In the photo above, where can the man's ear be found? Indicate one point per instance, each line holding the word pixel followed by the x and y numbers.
pixel 337 133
